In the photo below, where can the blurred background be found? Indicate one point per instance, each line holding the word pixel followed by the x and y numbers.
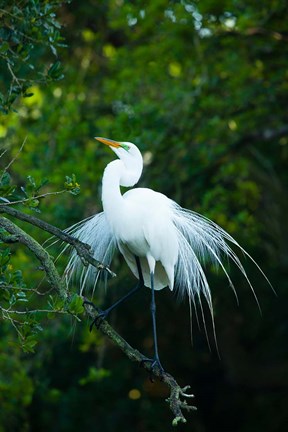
pixel 201 88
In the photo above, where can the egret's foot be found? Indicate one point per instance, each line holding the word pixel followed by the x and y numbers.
pixel 155 364
pixel 91 304
pixel 102 315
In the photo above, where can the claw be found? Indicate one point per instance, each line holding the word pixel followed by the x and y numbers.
pixel 155 363
pixel 90 304
pixel 102 315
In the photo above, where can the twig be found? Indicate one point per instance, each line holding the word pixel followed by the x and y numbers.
pixel 2 154
pixel 176 391
pixel 9 13
pixel 13 324
pixel 8 238
pixel 21 201
pixel 12 73
pixel 14 158
pixel 12 287
pixel 83 249
pixel 34 311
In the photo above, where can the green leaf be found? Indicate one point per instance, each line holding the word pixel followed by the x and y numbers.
pixel 95 375
pixel 55 71
pixel 76 305
pixel 71 185
pixel 5 179
pixel 56 303
pixel 28 345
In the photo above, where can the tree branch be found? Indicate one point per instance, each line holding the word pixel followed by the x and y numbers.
pixel 178 395
pixel 176 391
pixel 83 249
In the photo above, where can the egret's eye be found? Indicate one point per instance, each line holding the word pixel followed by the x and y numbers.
pixel 125 147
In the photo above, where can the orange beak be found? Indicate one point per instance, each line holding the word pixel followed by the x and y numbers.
pixel 108 142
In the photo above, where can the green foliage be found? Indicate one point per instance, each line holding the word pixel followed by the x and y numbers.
pixel 94 375
pixel 201 88
pixel 31 190
pixel 29 30
pixel 75 305
pixel 71 185
pixel 14 294
pixel 16 386
pixel 11 281
pixel 6 188
pixel 31 193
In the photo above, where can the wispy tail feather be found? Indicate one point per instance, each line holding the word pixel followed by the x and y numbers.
pixel 94 231
pixel 201 240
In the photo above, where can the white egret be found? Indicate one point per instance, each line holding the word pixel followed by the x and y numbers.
pixel 162 243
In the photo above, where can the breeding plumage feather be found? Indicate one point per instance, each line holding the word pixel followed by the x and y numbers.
pixel 162 243
pixel 171 243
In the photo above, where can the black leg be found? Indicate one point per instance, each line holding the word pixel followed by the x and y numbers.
pixel 140 274
pixel 103 314
pixel 155 361
pixel 153 313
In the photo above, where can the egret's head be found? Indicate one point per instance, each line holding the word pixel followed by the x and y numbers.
pixel 126 151
pixel 129 154
pixel 120 148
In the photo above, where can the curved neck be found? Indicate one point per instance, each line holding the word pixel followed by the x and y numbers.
pixel 112 198
pixel 111 194
pixel 119 172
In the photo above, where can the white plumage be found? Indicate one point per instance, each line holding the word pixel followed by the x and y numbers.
pixel 172 243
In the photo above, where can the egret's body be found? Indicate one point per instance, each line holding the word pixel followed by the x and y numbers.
pixel 141 220
pixel 162 243
pixel 148 233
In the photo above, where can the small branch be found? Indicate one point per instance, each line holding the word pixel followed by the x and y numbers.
pixel 175 402
pixel 8 238
pixel 13 323
pixel 22 201
pixel 12 287
pixel 83 249
pixel 2 154
pixel 13 75
pixel 34 311
pixel 176 391
pixel 10 14
pixel 14 158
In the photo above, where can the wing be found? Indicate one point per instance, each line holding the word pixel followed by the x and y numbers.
pixel 96 232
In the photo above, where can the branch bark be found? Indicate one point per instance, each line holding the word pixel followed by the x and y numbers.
pixel 178 395
pixel 83 249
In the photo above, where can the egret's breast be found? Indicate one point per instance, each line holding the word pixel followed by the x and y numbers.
pixel 144 225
